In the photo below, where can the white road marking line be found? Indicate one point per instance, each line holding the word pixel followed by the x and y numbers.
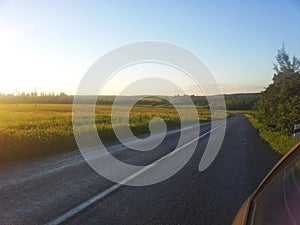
pixel 112 150
pixel 104 193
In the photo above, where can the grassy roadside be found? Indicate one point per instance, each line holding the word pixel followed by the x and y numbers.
pixel 37 130
pixel 280 142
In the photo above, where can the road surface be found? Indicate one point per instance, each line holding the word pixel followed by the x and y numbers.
pixel 64 189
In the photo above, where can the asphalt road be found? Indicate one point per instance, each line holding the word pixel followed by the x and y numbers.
pixel 47 190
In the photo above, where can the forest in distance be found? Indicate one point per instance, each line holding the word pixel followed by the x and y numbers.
pixel 233 101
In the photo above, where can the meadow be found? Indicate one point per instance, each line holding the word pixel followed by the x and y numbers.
pixel 35 130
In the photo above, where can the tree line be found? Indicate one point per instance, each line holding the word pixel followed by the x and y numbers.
pixel 278 106
pixel 233 101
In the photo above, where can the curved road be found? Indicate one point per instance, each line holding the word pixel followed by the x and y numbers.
pixel 50 190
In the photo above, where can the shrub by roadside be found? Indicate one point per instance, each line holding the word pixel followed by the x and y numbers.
pixel 280 142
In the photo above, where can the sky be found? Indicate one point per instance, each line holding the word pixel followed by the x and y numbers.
pixel 49 45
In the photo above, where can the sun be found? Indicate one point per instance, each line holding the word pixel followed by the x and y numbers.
pixel 21 68
pixel 10 52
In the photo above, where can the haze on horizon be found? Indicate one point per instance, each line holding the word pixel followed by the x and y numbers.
pixel 48 46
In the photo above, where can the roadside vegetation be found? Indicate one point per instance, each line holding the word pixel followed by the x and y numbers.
pixel 33 130
pixel 277 109
pixel 279 141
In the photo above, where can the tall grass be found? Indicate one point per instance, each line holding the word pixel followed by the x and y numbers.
pixel 34 130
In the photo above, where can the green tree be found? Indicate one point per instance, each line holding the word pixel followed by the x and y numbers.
pixel 278 106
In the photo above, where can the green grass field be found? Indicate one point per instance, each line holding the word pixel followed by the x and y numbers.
pixel 29 130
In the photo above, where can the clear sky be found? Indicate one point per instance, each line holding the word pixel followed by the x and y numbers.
pixel 49 45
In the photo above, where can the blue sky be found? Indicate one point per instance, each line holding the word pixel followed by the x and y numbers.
pixel 49 45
